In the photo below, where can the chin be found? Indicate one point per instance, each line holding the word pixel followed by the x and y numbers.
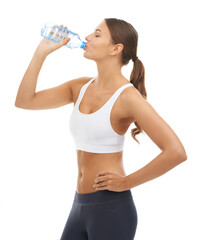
pixel 88 57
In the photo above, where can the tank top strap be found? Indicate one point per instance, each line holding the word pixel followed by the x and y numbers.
pixel 82 91
pixel 114 97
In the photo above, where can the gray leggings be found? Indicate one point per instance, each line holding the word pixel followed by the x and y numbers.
pixel 101 215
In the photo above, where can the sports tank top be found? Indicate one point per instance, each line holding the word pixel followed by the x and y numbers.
pixel 93 132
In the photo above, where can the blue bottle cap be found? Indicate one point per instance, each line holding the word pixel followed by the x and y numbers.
pixel 83 45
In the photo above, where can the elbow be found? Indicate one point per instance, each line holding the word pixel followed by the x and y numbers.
pixel 182 155
pixel 19 105
pixel 16 104
pixel 177 154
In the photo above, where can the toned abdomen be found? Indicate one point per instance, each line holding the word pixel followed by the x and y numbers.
pixel 90 164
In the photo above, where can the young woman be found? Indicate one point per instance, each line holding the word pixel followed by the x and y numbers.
pixel 104 108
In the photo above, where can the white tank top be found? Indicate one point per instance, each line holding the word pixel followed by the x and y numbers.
pixel 93 132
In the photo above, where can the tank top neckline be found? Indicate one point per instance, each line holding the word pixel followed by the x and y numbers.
pixel 84 90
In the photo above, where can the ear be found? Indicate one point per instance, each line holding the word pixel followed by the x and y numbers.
pixel 117 49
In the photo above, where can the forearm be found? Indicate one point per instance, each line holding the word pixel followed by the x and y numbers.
pixel 28 84
pixel 164 162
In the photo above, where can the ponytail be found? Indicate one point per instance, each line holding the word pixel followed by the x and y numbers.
pixel 137 78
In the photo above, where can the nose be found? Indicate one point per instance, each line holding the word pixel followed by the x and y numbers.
pixel 87 38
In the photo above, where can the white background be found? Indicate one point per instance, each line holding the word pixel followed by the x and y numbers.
pixel 38 164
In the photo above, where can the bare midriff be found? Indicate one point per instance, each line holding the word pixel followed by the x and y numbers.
pixel 90 164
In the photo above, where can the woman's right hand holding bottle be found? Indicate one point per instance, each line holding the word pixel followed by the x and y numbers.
pixel 46 46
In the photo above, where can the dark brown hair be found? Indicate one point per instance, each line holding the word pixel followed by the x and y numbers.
pixel 124 33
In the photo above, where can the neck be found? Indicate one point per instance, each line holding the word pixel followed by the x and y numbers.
pixel 109 74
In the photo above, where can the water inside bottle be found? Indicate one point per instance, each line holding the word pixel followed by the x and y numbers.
pixel 55 33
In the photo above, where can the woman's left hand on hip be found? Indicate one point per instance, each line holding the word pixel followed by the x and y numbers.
pixel 109 180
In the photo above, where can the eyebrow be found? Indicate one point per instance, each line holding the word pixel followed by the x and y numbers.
pixel 97 30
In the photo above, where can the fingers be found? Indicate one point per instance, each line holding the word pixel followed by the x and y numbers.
pixel 101 179
pixel 63 26
pixel 65 41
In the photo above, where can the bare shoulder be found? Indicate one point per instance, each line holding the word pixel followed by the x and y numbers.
pixel 131 94
pixel 129 97
pixel 77 84
pixel 79 81
pixel 135 104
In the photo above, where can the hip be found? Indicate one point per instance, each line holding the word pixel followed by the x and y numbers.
pixel 86 180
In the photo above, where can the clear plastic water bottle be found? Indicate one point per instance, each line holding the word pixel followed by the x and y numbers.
pixel 57 34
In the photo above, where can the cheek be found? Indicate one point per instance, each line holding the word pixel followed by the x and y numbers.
pixel 99 53
pixel 100 49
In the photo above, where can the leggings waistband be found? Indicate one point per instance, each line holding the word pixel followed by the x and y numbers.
pixel 101 196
